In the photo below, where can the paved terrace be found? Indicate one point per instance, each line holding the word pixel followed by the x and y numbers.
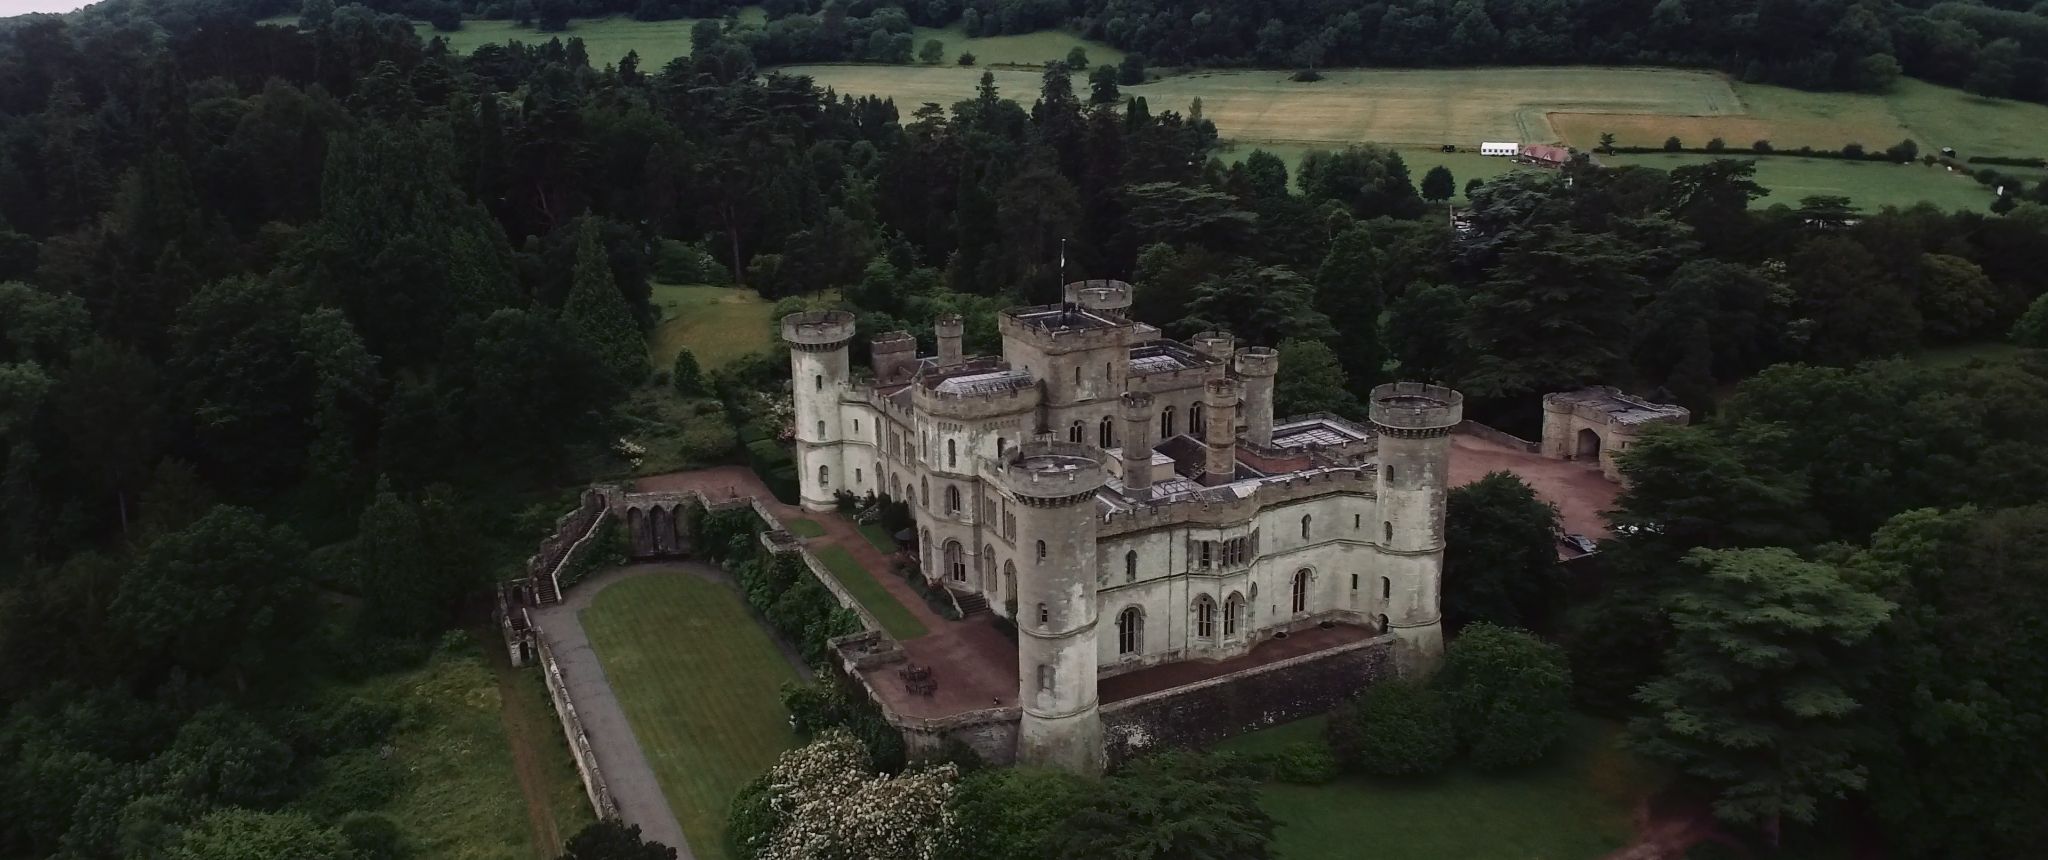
pixel 1577 489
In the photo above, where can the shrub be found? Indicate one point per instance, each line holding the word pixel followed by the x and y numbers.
pixel 752 818
pixel 1304 763
pixel 1395 728
pixel 1716 145
pixel 685 375
pixel 373 837
pixel 357 779
pixel 1852 150
pixel 1761 146
pixel 1308 76
pixel 966 59
pixel 706 442
pixel 1672 144
pixel 1508 694
pixel 688 263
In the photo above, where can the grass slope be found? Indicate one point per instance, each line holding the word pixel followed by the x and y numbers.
pixel 700 681
pixel 462 797
pixel 1576 806
pixel 606 39
pixel 865 588
pixel 804 528
pixel 718 324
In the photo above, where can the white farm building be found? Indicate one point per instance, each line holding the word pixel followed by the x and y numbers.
pixel 1507 149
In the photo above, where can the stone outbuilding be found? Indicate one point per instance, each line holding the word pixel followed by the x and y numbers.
pixel 1594 424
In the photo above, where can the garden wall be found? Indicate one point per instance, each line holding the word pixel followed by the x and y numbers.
pixel 1201 714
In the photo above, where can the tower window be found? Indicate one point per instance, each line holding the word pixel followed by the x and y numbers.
pixel 1166 423
pixel 1074 433
pixel 1386 588
pixel 1077 375
pixel 1354 582
pixel 952 500
pixel 1130 631
pixel 819 382
pixel 1356 521
pixel 1205 617
pixel 1301 590
pixel 1233 615
pixel 1041 550
pixel 1304 526
pixel 1204 558
pixel 1387 530
pixel 1106 434
pixel 824 476
pixel 1044 678
pixel 1196 423
pixel 952 453
pixel 821 430
pixel 857 478
pixel 1044 617
pixel 1131 566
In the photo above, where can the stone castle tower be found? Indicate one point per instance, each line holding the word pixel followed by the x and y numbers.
pixel 818 376
pixel 1054 484
pixel 1414 424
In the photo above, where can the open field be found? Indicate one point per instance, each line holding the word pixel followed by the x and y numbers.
pixel 1868 184
pixel 607 39
pixel 896 619
pixel 461 797
pixel 1576 806
pixel 718 324
pixel 700 681
pixel 1024 49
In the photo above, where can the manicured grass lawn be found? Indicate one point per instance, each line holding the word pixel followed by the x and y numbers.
pixel 804 528
pixel 1025 48
pixel 717 324
pixel 700 680
pixel 1868 184
pixel 462 798
pixel 878 537
pixel 896 619
pixel 1576 806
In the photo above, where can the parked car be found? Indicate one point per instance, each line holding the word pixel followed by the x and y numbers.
pixel 1583 544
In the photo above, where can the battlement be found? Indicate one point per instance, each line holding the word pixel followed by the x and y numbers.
pixel 1136 405
pixel 1222 506
pixel 1101 295
pixel 817 331
pixel 1055 472
pixel 1258 361
pixel 1217 345
pixel 1065 327
pixel 1408 408
pixel 892 342
pixel 979 388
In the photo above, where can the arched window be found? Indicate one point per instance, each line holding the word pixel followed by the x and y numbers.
pixel 952 500
pixel 1000 443
pixel 986 564
pixel 956 564
pixel 1131 566
pixel 1130 631
pixel 821 429
pixel 1041 550
pixel 1196 424
pixel 1107 432
pixel 1301 590
pixel 1166 423
pixel 818 382
pixel 1387 530
pixel 1304 526
pixel 1205 617
pixel 1074 432
pixel 1383 623
pixel 1386 588
pixel 1233 615
pixel 952 454
pixel 1044 678
pixel 824 476
pixel 924 492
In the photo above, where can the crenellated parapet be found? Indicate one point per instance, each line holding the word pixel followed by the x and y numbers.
pixel 1415 410
pixel 817 331
pixel 1055 474
pixel 1101 295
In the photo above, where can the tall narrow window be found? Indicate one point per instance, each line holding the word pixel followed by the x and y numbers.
pixel 1044 678
pixel 1204 558
pixel 952 500
pixel 924 492
pixel 1205 617
pixel 1301 590
pixel 952 454
pixel 1233 615
pixel 1166 423
pixel 857 478
pixel 1077 374
pixel 1130 631
pixel 824 476
pixel 1074 433
pixel 1196 424
pixel 1357 520
pixel 1106 433
pixel 818 382
pixel 1304 526
pixel 1041 550
pixel 1131 566
pixel 956 563
pixel 1387 530
pixel 1386 588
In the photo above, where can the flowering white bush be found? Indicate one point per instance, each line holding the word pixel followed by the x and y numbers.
pixel 832 808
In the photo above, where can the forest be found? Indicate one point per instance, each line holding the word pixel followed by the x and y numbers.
pixel 296 323
pixel 1990 48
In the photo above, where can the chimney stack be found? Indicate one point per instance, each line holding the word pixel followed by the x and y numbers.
pixel 1257 365
pixel 1138 444
pixel 948 328
pixel 1219 435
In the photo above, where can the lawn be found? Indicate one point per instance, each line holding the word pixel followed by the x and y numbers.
pixel 700 681
pixel 462 798
pixel 1868 184
pixel 878 537
pixel 895 619
pixel 804 528
pixel 606 39
pixel 1576 806
pixel 1031 49
pixel 718 324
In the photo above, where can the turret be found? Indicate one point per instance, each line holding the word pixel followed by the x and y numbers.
pixel 1219 435
pixel 948 328
pixel 1414 424
pixel 894 355
pixel 1256 366
pixel 1054 484
pixel 1101 295
pixel 1217 345
pixel 818 373
pixel 1136 408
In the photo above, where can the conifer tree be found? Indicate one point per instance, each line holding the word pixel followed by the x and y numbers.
pixel 596 313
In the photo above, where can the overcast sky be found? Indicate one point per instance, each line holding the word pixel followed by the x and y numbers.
pixel 23 7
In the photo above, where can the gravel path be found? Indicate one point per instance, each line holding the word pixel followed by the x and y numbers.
pixel 626 771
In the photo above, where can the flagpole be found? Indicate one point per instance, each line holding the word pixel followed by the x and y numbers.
pixel 1062 285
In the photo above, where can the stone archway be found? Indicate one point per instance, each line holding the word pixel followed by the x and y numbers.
pixel 1588 445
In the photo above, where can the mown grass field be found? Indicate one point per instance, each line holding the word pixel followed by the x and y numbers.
pixel 896 619
pixel 700 681
pixel 1868 184
pixel 607 39
pixel 1575 806
pixel 718 324
pixel 461 797
pixel 1022 49
pixel 804 528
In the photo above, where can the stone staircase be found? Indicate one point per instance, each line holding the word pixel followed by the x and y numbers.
pixel 544 593
pixel 970 604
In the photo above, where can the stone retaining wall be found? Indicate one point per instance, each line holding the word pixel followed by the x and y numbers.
pixel 579 742
pixel 1470 427
pixel 1206 712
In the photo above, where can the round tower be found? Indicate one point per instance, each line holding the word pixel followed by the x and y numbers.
pixel 1101 295
pixel 1214 344
pixel 1136 410
pixel 950 331
pixel 1256 366
pixel 1054 484
pixel 817 376
pixel 1219 431
pixel 1413 422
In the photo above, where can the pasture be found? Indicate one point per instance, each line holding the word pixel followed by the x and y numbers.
pixel 1577 804
pixel 717 324
pixel 607 39
pixel 1029 49
pixel 701 682
pixel 1869 185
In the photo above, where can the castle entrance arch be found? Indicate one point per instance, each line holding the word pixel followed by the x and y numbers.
pixel 1589 444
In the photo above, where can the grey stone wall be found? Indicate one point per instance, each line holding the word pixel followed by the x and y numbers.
pixel 1201 714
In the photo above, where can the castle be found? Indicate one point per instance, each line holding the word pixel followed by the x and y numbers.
pixel 1128 500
